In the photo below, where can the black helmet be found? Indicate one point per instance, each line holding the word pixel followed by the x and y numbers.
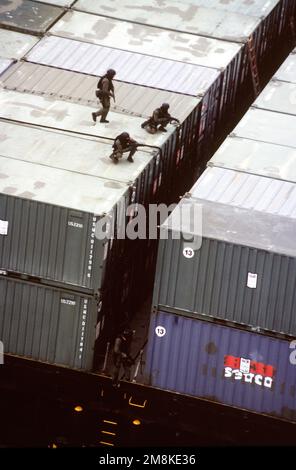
pixel 165 105
pixel 125 135
pixel 111 72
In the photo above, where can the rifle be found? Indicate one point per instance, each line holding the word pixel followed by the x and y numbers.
pixel 172 119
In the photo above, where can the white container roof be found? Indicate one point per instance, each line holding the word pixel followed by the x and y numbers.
pixel 247 191
pixel 259 8
pixel 235 225
pixel 177 16
pixel 130 67
pixel 59 3
pixel 14 45
pixel 287 71
pixel 258 158
pixel 4 65
pixel 65 116
pixel 68 152
pixel 58 187
pixel 80 88
pixel 146 39
pixel 278 96
pixel 268 126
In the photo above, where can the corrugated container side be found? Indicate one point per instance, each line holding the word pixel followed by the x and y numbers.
pixel 49 242
pixel 48 325
pixel 222 364
pixel 241 267
pixel 273 33
pixel 214 283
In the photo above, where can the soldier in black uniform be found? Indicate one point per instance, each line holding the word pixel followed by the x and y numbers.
pixel 123 143
pixel 105 90
pixel 121 355
pixel 159 120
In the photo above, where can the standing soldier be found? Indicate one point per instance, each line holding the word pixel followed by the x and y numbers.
pixel 159 120
pixel 123 143
pixel 121 355
pixel 105 90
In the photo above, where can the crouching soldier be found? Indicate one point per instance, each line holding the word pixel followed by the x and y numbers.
pixel 123 143
pixel 159 120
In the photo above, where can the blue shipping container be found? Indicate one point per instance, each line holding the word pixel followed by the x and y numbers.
pixel 223 364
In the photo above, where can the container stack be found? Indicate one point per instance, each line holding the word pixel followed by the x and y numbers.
pixel 224 325
pixel 65 287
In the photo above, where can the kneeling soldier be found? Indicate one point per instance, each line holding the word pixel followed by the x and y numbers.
pixel 123 143
pixel 159 120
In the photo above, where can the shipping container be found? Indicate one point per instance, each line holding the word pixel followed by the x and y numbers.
pixel 29 16
pixel 279 14
pixel 136 68
pixel 14 45
pixel 49 231
pixel 178 147
pixel 222 364
pixel 133 100
pixel 50 218
pixel 230 58
pixel 278 96
pixel 148 71
pixel 263 143
pixel 267 126
pixel 47 256
pixel 287 71
pixel 5 64
pixel 264 28
pixel 259 158
pixel 233 263
pixel 59 3
pixel 47 324
pixel 149 40
pixel 245 190
pixel 257 8
pixel 177 16
pixel 122 289
pixel 265 31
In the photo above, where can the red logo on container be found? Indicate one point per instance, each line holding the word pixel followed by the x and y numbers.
pixel 249 371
